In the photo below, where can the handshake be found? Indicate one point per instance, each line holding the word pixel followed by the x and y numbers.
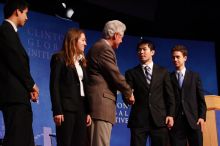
pixel 131 100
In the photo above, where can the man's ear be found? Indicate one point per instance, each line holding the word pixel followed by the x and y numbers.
pixel 152 52
pixel 17 12
pixel 114 36
pixel 185 58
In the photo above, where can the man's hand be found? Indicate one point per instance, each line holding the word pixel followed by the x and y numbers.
pixel 88 120
pixel 58 119
pixel 35 93
pixel 131 100
pixel 169 122
pixel 201 122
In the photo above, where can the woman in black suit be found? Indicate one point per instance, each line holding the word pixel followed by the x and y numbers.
pixel 67 89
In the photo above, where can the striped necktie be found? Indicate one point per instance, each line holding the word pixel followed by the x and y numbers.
pixel 148 74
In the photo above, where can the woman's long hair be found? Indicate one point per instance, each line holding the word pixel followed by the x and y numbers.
pixel 69 50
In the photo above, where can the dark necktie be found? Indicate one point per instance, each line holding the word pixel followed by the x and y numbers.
pixel 148 74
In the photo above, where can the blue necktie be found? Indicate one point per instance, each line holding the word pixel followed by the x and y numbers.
pixel 148 74
pixel 180 79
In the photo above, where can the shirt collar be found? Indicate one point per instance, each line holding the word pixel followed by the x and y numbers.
pixel 106 42
pixel 149 65
pixel 78 58
pixel 183 71
pixel 13 24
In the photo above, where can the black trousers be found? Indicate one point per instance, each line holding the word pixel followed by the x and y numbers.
pixel 72 131
pixel 158 136
pixel 182 133
pixel 18 125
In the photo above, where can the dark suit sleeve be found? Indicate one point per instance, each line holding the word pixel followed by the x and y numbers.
pixel 200 97
pixel 129 80
pixel 15 59
pixel 111 71
pixel 55 75
pixel 170 98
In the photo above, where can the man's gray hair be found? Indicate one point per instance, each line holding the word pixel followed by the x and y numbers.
pixel 112 27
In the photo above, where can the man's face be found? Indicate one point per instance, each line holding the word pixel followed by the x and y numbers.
pixel 145 54
pixel 22 17
pixel 178 59
pixel 117 40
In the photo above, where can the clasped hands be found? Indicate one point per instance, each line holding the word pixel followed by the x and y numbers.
pixel 131 100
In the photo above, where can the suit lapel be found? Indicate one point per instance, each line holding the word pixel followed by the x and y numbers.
pixel 155 72
pixel 174 79
pixel 186 79
pixel 75 73
pixel 141 75
pixel 84 73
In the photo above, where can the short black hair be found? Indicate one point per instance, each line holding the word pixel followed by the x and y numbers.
pixel 147 42
pixel 12 5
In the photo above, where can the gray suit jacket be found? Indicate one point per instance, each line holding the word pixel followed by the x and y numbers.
pixel 104 79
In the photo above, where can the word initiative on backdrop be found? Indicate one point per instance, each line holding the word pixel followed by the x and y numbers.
pixel 122 113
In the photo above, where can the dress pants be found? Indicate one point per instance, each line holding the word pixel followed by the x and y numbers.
pixel 100 133
pixel 158 136
pixel 72 131
pixel 18 125
pixel 182 133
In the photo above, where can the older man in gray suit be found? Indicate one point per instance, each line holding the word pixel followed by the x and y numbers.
pixel 104 81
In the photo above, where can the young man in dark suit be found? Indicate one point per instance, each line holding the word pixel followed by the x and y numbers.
pixel 190 103
pixel 153 110
pixel 16 84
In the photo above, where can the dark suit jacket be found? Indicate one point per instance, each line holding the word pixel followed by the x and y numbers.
pixel 65 87
pixel 190 97
pixel 104 81
pixel 16 82
pixel 158 98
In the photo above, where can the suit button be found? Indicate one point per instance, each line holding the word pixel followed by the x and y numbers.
pixel 182 101
pixel 149 94
pixel 149 105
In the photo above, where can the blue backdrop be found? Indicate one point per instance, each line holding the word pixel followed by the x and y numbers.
pixel 43 35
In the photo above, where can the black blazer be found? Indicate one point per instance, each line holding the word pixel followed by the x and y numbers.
pixel 16 82
pixel 65 87
pixel 158 99
pixel 191 97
